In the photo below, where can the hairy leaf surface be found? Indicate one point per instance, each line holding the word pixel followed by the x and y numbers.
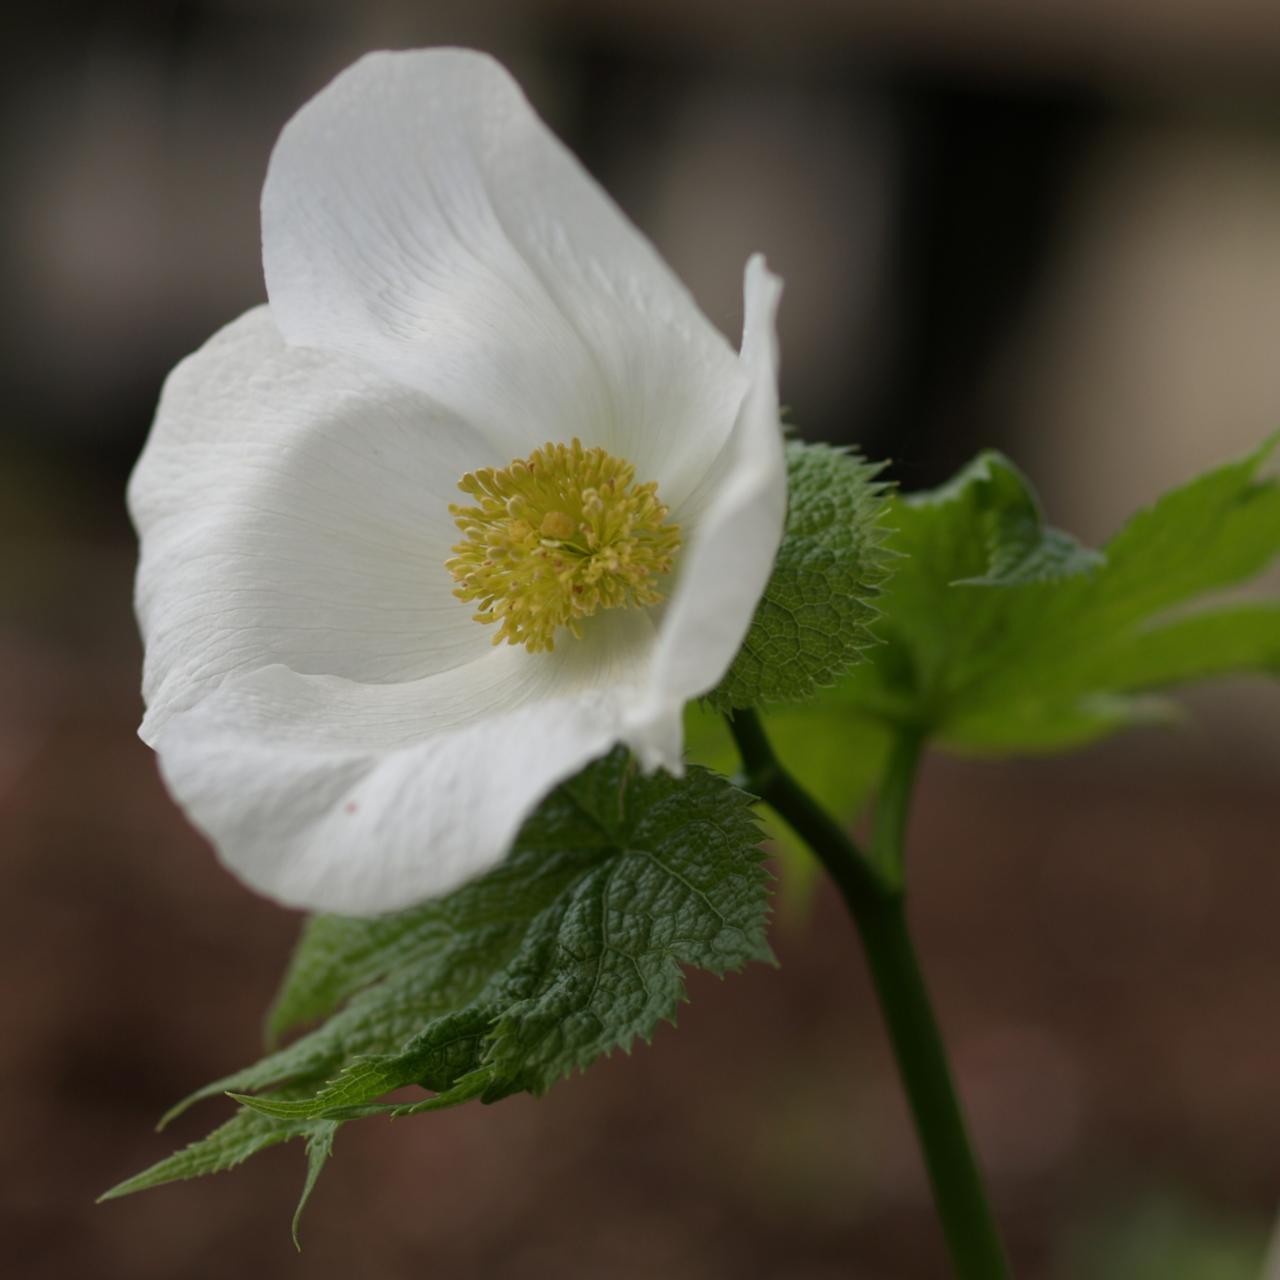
pixel 815 618
pixel 1002 635
pixel 573 947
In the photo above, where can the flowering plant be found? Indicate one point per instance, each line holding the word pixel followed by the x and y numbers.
pixel 448 292
pixel 444 548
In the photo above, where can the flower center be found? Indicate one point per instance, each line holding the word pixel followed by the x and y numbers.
pixel 555 537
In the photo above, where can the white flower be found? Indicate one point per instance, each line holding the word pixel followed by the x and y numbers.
pixel 449 291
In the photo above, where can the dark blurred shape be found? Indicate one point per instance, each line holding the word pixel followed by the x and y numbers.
pixel 985 171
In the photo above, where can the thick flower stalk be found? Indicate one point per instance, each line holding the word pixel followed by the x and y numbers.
pixel 477 407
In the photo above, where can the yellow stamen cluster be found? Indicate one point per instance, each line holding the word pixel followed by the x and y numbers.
pixel 556 537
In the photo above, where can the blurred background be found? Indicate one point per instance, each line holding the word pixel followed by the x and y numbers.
pixel 1054 228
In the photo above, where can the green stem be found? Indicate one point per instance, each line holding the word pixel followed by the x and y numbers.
pixel 893 807
pixel 766 777
pixel 873 894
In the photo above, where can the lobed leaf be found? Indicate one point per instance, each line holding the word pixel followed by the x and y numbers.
pixel 571 948
pixel 984 652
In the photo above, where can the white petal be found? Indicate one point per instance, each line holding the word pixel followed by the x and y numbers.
pixel 449 290
pixel 332 795
pixel 293 507
pixel 737 519
pixel 418 214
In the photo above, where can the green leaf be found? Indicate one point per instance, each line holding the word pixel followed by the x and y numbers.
pixel 573 947
pixel 319 1149
pixel 991 509
pixel 815 617
pixel 232 1143
pixel 336 957
pixel 994 646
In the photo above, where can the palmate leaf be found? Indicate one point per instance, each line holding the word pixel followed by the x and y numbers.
pixel 573 947
pixel 992 645
pixel 984 528
pixel 816 615
pixel 1001 635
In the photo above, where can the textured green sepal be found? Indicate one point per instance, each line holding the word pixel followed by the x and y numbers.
pixel 815 618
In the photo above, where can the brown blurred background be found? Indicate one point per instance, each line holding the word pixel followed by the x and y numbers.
pixel 1054 228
